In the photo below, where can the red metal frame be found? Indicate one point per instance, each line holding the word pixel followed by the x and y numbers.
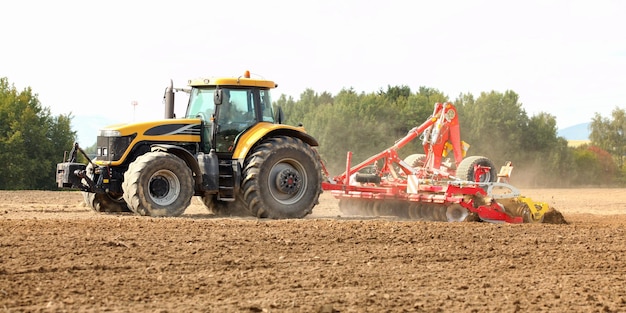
pixel 436 187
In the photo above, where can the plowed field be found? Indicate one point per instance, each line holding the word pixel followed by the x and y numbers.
pixel 58 256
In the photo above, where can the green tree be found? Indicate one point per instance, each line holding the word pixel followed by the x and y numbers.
pixel 493 124
pixel 542 153
pixel 497 127
pixel 593 166
pixel 32 141
pixel 610 134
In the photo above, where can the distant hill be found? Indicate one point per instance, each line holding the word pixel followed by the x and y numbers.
pixel 576 132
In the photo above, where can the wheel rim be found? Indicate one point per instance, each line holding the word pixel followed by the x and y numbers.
pixel 287 181
pixel 164 187
pixel 485 178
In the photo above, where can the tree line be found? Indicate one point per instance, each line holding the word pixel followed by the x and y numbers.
pixel 32 140
pixel 495 125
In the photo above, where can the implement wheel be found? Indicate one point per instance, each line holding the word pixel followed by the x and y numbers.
pixel 281 179
pixel 465 170
pixel 416 160
pixel 103 202
pixel 158 184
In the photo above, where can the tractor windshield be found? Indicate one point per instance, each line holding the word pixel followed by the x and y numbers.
pixel 201 104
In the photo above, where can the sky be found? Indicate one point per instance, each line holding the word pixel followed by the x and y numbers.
pixel 95 59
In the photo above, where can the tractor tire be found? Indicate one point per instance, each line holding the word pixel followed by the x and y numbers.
pixel 158 184
pixel 465 171
pixel 100 202
pixel 282 178
pixel 416 160
pixel 105 203
pixel 224 208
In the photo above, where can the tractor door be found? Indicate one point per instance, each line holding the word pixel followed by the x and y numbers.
pixel 202 106
pixel 235 114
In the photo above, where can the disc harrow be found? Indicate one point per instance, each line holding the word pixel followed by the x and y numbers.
pixel 425 186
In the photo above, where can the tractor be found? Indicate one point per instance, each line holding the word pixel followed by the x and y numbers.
pixel 231 149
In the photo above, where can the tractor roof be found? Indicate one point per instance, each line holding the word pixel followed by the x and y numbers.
pixel 243 80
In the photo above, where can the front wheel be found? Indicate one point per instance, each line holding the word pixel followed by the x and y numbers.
pixel 102 202
pixel 281 179
pixel 158 184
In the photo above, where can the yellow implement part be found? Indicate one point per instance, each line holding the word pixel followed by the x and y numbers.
pixel 536 209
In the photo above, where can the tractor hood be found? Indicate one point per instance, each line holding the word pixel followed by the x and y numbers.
pixel 115 142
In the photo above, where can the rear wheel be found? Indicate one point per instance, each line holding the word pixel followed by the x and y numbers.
pixel 281 179
pixel 103 202
pixel 158 184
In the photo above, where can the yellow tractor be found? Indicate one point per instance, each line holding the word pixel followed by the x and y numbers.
pixel 230 149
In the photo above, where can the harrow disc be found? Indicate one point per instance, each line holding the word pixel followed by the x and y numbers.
pixel 400 209
pixel 456 213
pixel 428 212
pixel 348 206
pixel 434 212
pixel 413 211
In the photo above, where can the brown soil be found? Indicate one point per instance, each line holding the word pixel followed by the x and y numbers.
pixel 57 256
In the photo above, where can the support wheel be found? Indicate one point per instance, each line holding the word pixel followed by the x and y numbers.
pixel 416 160
pixel 281 179
pixel 103 203
pixel 465 170
pixel 158 184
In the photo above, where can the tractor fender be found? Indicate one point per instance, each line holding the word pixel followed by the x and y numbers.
pixel 246 141
pixel 185 155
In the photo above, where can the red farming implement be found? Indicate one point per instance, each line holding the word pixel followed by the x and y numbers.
pixel 428 186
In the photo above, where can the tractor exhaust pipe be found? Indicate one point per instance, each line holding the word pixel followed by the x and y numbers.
pixel 168 99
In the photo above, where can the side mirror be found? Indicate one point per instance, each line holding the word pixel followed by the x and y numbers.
pixel 279 116
pixel 218 96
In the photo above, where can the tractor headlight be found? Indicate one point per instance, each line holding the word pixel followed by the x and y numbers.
pixel 110 133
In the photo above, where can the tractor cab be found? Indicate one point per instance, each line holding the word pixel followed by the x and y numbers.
pixel 228 107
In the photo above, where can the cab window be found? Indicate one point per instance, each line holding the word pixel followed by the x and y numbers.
pixel 201 104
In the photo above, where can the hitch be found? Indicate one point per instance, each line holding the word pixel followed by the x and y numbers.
pixel 70 173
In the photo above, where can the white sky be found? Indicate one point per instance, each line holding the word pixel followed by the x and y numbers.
pixel 566 58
